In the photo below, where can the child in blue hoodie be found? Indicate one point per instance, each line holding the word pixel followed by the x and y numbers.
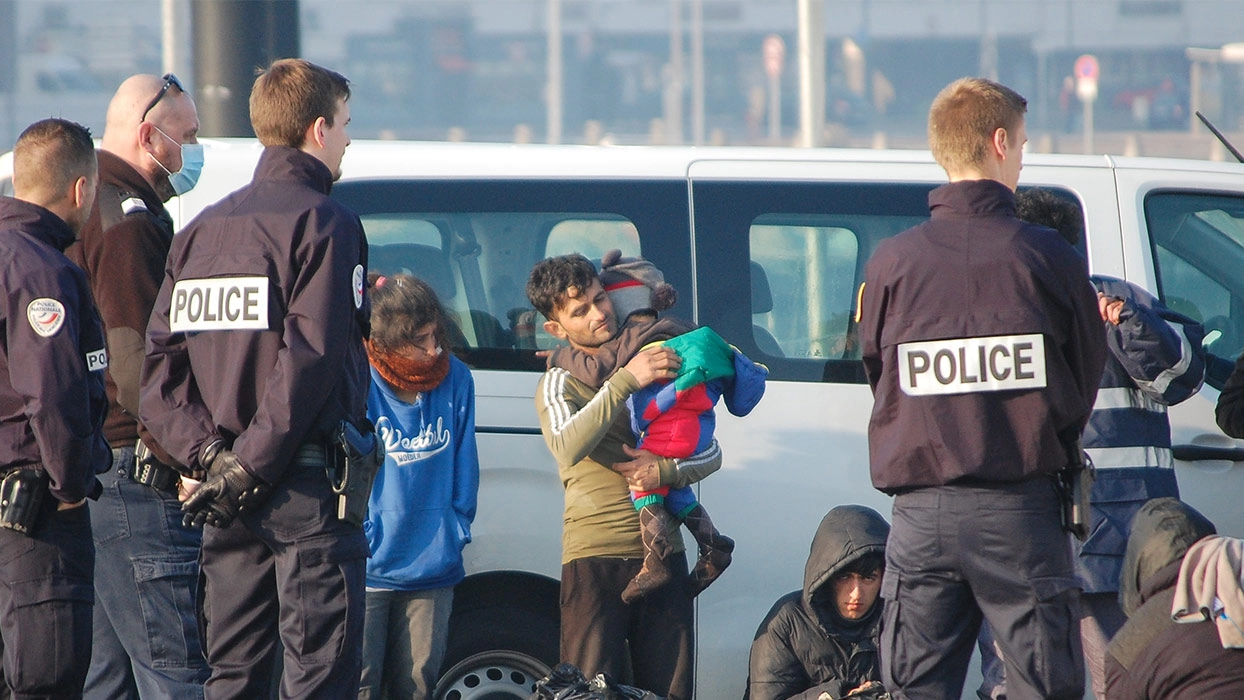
pixel 422 402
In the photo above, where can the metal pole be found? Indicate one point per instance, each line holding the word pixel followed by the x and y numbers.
pixel 232 39
pixel 811 72
pixel 553 89
pixel 674 87
pixel 697 72
pixel 168 35
pixel 775 108
pixel 1088 126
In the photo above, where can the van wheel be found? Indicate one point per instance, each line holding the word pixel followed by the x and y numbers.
pixel 492 675
pixel 497 650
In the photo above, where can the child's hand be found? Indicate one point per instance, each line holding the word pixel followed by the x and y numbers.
pixel 642 473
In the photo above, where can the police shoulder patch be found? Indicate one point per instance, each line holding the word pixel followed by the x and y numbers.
pixel 46 316
pixel 133 204
pixel 360 280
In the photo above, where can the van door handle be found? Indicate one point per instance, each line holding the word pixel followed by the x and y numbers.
pixel 1198 453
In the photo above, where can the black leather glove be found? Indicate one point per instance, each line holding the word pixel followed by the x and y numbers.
pixel 229 490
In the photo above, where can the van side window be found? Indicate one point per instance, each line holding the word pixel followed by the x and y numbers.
pixel 802 295
pixel 1198 250
pixel 779 264
pixel 475 242
pixel 592 238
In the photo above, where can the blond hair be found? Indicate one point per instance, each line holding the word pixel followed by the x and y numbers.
pixel 288 97
pixel 964 117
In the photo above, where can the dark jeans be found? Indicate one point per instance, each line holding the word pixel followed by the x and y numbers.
pixel 45 604
pixel 146 639
pixel 957 553
pixel 597 628
pixel 290 567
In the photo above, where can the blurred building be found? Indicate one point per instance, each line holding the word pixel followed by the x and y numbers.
pixel 478 68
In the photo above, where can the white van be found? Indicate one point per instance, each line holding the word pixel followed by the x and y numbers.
pixel 767 246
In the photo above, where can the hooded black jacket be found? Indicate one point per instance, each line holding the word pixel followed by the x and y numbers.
pixel 1153 656
pixel 804 648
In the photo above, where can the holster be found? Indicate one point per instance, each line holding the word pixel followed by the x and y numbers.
pixel 150 471
pixel 352 468
pixel 21 499
pixel 1075 490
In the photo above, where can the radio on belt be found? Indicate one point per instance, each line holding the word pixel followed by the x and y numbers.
pixel 971 365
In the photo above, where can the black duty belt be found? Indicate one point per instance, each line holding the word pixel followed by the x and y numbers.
pixel 150 471
pixel 311 454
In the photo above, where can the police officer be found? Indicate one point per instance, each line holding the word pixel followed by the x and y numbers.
pixel 255 357
pixel 982 342
pixel 52 408
pixel 146 640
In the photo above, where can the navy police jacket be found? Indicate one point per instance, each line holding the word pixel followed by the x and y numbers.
pixel 257 333
pixel 982 342
pixel 1156 360
pixel 52 400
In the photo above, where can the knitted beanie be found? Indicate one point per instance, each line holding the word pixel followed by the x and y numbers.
pixel 634 284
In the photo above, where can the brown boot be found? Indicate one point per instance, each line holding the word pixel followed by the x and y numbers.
pixel 655 526
pixel 716 550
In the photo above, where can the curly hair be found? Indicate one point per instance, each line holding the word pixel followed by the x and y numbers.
pixel 554 280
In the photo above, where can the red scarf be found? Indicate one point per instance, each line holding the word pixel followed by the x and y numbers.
pixel 407 374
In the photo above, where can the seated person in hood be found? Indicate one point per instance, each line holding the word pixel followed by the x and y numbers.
pixel 823 639
pixel 1152 655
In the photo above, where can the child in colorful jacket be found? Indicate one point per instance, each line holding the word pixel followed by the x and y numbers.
pixel 670 419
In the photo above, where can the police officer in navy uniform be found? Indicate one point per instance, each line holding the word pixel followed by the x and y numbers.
pixel 52 408
pixel 255 356
pixel 982 342
pixel 146 641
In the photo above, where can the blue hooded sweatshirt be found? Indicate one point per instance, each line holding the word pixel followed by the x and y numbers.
pixel 423 501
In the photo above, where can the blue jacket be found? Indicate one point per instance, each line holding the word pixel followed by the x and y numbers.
pixel 423 501
pixel 1156 360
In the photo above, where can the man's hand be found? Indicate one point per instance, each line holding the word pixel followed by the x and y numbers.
pixel 653 364
pixel 642 473
pixel 228 490
pixel 1110 307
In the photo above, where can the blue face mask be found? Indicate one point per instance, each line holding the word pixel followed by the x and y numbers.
pixel 185 179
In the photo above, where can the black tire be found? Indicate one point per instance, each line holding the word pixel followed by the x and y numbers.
pixel 497 651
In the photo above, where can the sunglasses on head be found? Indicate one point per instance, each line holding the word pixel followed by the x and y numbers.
pixel 169 79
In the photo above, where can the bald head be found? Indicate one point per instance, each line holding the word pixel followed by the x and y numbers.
pixel 151 145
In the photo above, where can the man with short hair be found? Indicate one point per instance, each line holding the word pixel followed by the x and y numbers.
pixel 146 641
pixel 52 408
pixel 255 370
pixel 982 343
pixel 648 643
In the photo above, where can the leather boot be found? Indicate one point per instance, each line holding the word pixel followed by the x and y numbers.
pixel 716 550
pixel 655 526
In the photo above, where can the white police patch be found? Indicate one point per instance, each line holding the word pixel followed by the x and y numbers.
pixel 97 360
pixel 972 365
pixel 131 205
pixel 46 316
pixel 360 280
pixel 219 304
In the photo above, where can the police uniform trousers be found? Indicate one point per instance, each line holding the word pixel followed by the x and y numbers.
pixel 45 604
pixel 649 643
pixel 997 549
pixel 146 641
pixel 287 565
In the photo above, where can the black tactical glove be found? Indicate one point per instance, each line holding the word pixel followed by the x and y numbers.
pixel 229 490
